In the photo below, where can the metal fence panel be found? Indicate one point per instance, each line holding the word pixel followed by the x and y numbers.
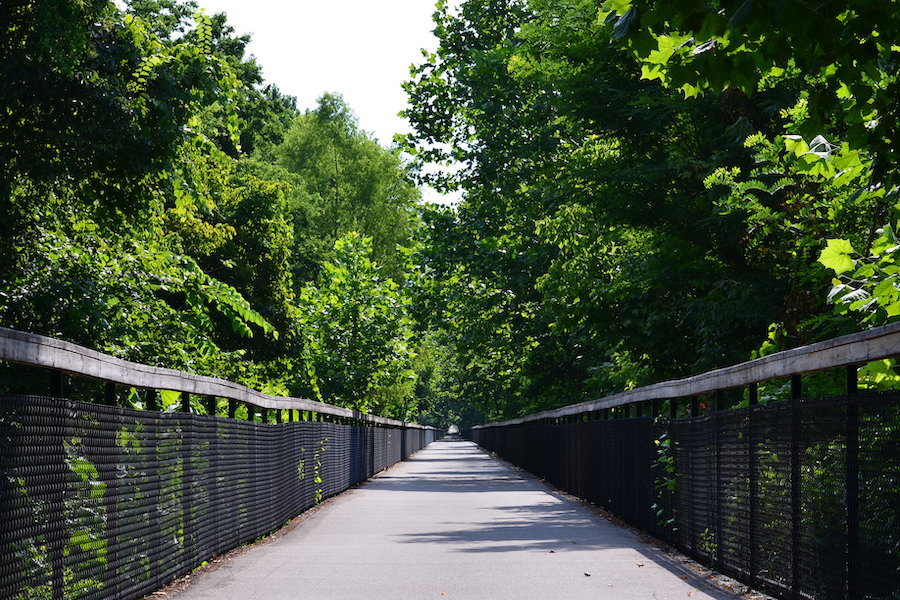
pixel 100 502
pixel 798 498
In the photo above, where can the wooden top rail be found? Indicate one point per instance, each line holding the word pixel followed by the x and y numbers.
pixel 854 349
pixel 41 351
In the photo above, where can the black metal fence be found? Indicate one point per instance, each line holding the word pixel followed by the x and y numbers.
pixel 104 502
pixel 798 498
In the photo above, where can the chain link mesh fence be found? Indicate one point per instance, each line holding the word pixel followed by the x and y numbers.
pixel 100 502
pixel 800 499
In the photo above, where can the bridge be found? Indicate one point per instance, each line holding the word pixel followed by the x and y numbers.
pixel 120 478
pixel 452 522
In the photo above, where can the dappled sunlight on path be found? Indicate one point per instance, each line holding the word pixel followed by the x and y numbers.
pixel 452 522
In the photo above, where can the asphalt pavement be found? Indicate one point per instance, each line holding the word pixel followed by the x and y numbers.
pixel 452 523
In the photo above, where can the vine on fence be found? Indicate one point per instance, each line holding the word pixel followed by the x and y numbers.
pixel 665 482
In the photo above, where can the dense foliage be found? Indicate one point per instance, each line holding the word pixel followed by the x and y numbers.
pixel 649 186
pixel 161 203
pixel 649 190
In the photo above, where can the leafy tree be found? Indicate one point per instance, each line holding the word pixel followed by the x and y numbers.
pixel 91 96
pixel 254 257
pixel 840 136
pixel 344 181
pixel 129 291
pixel 143 213
pixel 614 233
pixel 105 179
pixel 842 55
pixel 485 258
pixel 587 244
pixel 261 113
pixel 356 335
pixel 438 392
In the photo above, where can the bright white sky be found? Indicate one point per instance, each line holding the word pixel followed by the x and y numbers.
pixel 359 48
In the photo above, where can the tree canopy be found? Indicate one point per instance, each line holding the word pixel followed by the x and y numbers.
pixel 650 190
pixel 161 202
pixel 648 187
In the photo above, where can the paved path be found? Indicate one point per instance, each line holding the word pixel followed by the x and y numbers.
pixel 451 523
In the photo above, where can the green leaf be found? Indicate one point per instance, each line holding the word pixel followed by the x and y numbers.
pixel 169 398
pixel 796 144
pixel 839 245
pixel 835 256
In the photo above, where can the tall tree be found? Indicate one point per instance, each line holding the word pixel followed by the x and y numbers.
pixel 357 335
pixel 344 181
pixel 104 177
pixel 260 112
pixel 600 244
pixel 839 140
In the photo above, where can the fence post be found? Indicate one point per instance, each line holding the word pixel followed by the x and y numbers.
pixel 718 406
pixel 213 449
pixel 109 395
pixel 54 523
pixel 56 384
pixel 112 520
pixel 187 484
pixel 56 532
pixel 403 430
pixel 152 403
pixel 108 470
pixel 211 406
pixel 689 471
pixel 753 399
pixel 852 486
pixel 796 490
pixel 185 402
pixel 232 408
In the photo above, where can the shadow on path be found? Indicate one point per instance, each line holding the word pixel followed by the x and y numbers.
pixel 452 522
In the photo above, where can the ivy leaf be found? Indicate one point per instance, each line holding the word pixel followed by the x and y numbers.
pixel 796 144
pixel 835 256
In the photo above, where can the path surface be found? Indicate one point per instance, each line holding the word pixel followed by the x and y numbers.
pixel 451 522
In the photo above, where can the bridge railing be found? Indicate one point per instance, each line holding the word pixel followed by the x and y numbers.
pixel 798 495
pixel 101 501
